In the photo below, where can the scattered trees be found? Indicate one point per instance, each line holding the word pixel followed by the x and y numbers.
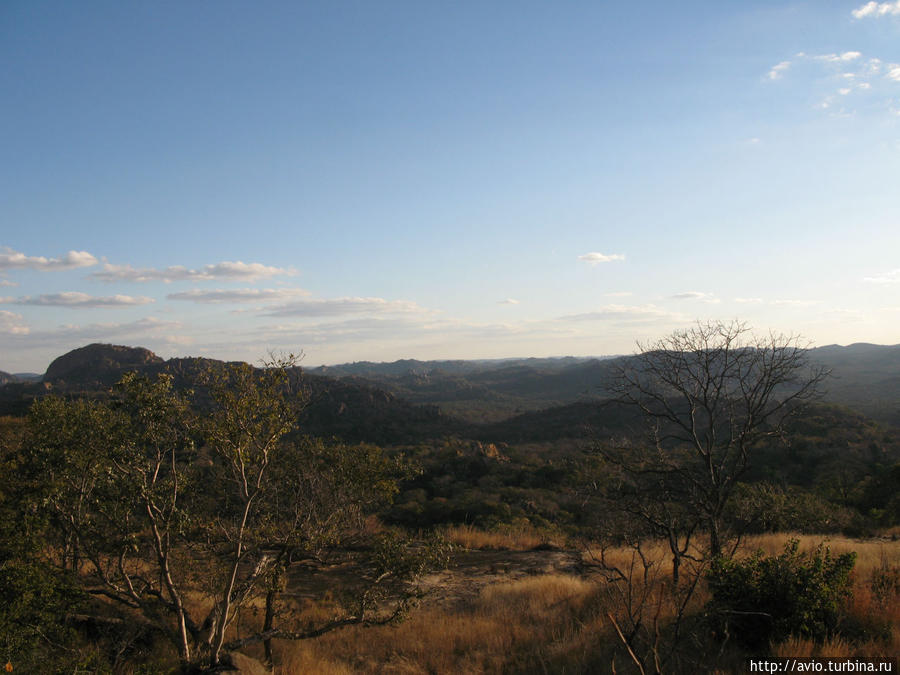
pixel 182 515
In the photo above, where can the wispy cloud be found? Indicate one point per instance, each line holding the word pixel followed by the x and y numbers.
pixel 778 70
pixel 749 301
pixel 64 336
pixel 11 323
pixel 597 258
pixel 844 57
pixel 82 300
pixel 12 260
pixel 621 313
pixel 344 306
pixel 695 295
pixel 794 303
pixel 848 72
pixel 5 283
pixel 226 270
pixel 238 295
pixel 892 277
pixel 876 9
pixel 508 301
pixel 412 330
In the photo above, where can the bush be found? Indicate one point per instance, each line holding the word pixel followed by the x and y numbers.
pixel 765 599
pixel 764 507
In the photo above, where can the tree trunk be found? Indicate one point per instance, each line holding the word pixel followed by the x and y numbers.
pixel 269 620
pixel 715 543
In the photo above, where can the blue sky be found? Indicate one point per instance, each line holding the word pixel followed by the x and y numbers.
pixel 444 180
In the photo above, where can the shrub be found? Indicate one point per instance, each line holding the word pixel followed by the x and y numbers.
pixel 885 583
pixel 763 599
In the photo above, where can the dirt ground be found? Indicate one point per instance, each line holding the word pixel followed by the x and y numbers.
pixel 468 572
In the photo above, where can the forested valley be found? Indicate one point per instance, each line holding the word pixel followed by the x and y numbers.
pixel 713 497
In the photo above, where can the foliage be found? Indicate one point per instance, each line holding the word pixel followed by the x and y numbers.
pixel 147 501
pixel 766 599
pixel 885 583
pixel 766 507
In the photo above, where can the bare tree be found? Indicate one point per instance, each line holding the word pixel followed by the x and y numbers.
pixel 709 395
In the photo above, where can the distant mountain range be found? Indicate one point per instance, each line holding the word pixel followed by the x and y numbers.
pixel 409 401
pixel 865 377
pixel 7 378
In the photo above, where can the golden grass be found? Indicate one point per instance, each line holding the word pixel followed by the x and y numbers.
pixel 503 626
pixel 558 623
pixel 869 552
pixel 874 607
pixel 510 538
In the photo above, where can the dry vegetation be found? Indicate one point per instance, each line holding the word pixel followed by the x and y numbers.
pixel 508 538
pixel 561 623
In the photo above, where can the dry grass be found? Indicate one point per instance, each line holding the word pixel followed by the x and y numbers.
pixel 873 612
pixel 511 538
pixel 510 627
pixel 870 553
pixel 558 623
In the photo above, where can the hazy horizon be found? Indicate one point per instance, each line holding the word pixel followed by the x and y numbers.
pixel 371 182
pixel 306 364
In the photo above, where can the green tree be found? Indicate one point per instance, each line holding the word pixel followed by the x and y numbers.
pixel 151 501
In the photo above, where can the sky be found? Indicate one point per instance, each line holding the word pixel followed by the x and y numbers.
pixel 375 181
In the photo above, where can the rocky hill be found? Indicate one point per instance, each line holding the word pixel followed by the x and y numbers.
pixel 347 410
pixel 98 365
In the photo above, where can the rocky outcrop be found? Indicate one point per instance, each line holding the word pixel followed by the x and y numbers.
pixel 99 364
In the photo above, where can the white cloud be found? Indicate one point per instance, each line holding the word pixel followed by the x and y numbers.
pixel 224 270
pixel 409 330
pixel 508 301
pixel 238 295
pixel 794 303
pixel 11 323
pixel 10 259
pixel 4 283
pixel 597 258
pixel 621 313
pixel 695 295
pixel 344 306
pixel 619 294
pixel 892 277
pixel 846 72
pixel 778 70
pixel 838 58
pixel 367 328
pixel 82 300
pixel 64 336
pixel 178 339
pixel 748 301
pixel 877 9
